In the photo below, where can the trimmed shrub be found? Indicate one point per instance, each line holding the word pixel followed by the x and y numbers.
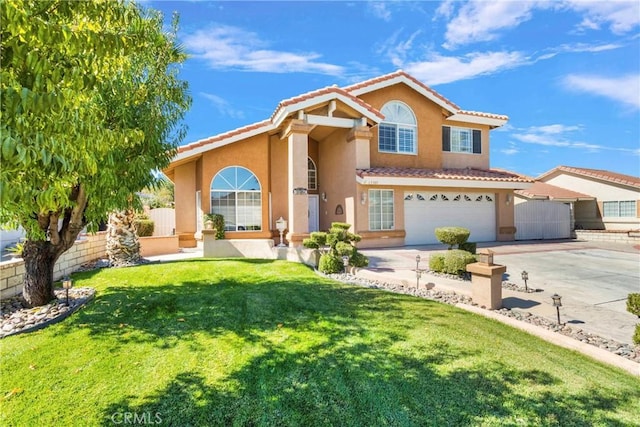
pixel 344 248
pixel 329 264
pixel 456 260
pixel 218 225
pixel 452 235
pixel 143 225
pixel 436 263
pixel 468 246
pixel 633 307
pixel 359 260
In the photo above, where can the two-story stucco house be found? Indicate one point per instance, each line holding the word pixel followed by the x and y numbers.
pixel 389 155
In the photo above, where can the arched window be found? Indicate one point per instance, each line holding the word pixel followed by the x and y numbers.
pixel 236 194
pixel 313 175
pixel 397 133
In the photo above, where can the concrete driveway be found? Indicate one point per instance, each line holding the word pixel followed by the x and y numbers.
pixel 593 278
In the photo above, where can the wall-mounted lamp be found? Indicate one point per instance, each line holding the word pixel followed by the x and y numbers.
pixel 363 198
pixel 323 196
pixel 508 199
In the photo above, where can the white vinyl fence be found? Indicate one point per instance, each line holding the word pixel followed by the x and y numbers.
pixel 165 221
pixel 542 219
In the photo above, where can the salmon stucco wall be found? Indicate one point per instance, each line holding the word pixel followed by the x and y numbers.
pixel 252 154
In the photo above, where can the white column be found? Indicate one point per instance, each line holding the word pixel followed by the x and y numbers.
pixel 297 136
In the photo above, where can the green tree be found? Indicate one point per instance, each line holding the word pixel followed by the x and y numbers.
pixel 90 104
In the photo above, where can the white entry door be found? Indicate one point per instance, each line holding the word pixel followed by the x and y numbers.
pixel 314 207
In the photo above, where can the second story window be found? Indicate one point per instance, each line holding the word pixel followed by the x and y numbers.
pixel 461 140
pixel 397 134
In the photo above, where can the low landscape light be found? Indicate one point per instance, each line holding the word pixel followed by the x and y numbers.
pixel 418 262
pixel 557 303
pixel 281 225
pixel 525 277
pixel 67 284
pixel 345 261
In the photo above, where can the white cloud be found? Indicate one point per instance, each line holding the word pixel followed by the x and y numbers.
pixel 222 106
pixel 625 89
pixel 482 20
pixel 620 16
pixel 227 47
pixel 477 20
pixel 559 135
pixel 446 69
pixel 380 10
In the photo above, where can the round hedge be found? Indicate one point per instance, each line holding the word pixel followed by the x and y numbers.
pixel 452 235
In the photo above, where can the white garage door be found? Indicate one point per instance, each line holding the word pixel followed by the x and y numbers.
pixel 424 211
pixel 542 219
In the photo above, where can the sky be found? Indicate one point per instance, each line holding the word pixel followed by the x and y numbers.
pixel 567 73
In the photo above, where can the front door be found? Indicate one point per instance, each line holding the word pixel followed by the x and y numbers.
pixel 314 206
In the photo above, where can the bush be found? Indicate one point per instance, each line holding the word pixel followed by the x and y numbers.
pixel 468 246
pixel 452 235
pixel 218 225
pixel 633 307
pixel 143 225
pixel 456 260
pixel 436 263
pixel 330 264
pixel 359 260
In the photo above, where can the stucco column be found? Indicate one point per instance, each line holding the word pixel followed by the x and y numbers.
pixel 297 135
pixel 360 137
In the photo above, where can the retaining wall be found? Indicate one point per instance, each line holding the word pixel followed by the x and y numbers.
pixel 617 236
pixel 88 248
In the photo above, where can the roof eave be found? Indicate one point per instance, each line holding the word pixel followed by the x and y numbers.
pixel 441 182
pixel 493 122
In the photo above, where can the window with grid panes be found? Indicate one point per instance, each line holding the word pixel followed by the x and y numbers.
pixel 381 210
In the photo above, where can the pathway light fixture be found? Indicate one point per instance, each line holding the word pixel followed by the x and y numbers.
pixel 557 303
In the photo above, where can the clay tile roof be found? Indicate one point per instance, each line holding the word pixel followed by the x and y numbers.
pixel 392 76
pixel 319 92
pixel 223 136
pixel 604 175
pixel 542 190
pixel 479 114
pixel 463 174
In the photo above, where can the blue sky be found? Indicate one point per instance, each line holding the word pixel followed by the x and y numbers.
pixel 567 73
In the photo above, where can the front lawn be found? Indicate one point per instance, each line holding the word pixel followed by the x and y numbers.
pixel 247 342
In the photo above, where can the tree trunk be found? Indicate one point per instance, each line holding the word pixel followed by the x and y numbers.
pixel 123 245
pixel 39 259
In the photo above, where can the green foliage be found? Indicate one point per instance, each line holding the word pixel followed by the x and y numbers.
pixel 91 104
pixel 218 224
pixel 358 260
pixel 143 225
pixel 468 246
pixel 436 263
pixel 452 235
pixel 17 248
pixel 456 260
pixel 633 304
pixel 330 263
pixel 633 307
pixel 160 194
pixel 338 242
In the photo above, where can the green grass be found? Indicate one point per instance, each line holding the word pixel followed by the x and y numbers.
pixel 210 342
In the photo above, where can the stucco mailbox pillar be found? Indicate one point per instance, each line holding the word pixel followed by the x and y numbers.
pixel 486 281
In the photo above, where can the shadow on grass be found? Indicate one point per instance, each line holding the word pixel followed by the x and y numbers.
pixel 354 371
pixel 366 385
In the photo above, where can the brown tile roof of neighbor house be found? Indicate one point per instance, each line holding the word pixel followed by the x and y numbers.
pixel 467 173
pixel 603 175
pixel 543 191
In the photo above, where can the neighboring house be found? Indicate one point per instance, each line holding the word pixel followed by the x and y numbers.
pixel 389 155
pixel 569 198
pixel 544 211
pixel 614 202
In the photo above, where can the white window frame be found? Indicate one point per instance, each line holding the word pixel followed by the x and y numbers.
pixel 237 219
pixel 616 205
pixel 381 213
pixel 456 141
pixel 312 174
pixel 407 123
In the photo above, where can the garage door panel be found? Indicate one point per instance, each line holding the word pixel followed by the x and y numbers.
pixel 425 211
pixel 542 219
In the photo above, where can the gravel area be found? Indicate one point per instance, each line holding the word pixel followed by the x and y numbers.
pixel 625 350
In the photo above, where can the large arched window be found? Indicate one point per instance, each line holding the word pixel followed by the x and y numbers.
pixel 236 194
pixel 397 133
